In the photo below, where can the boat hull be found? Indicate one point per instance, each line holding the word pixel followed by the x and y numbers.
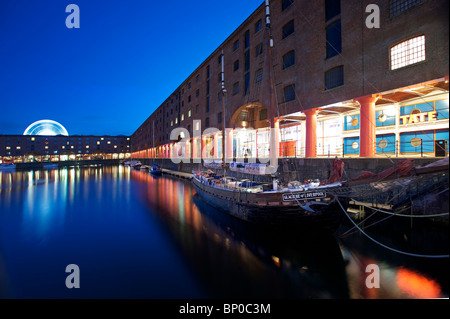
pixel 273 211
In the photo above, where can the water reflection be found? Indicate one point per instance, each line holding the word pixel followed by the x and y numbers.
pixel 281 264
pixel 234 259
pixel 139 236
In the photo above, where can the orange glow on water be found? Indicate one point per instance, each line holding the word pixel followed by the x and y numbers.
pixel 417 285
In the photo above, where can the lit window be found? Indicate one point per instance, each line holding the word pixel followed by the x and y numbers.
pixel 32 138
pixel 182 117
pixel 189 113
pixel 63 147
pixel 98 142
pixel 18 147
pixel 408 52
pixel 8 147
pixel 46 147
pixel 87 146
pixel 115 146
pixel 109 142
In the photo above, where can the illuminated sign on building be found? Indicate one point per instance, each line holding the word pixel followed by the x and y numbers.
pixel 418 117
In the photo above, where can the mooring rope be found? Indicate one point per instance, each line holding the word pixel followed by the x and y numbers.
pixel 383 245
pixel 348 233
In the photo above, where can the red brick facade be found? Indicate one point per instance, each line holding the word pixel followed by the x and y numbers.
pixel 364 58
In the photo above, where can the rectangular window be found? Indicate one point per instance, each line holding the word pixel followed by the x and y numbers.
pixel 247 39
pixel 263 115
pixel 288 59
pixel 247 83
pixel 236 65
pixel 235 88
pixel 207 104
pixel 236 45
pixel 408 52
pixel 334 43
pixel 334 77
pixel 288 29
pixel 247 60
pixel 243 116
pixel 259 49
pixel 397 7
pixel 286 4
pixel 207 122
pixel 219 117
pixel 259 76
pixel 441 108
pixel 332 9
pixel 258 26
pixel 289 93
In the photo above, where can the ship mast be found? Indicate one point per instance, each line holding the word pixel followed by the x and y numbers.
pixel 223 91
pixel 273 147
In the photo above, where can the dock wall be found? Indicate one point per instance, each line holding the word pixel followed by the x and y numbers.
pixel 300 169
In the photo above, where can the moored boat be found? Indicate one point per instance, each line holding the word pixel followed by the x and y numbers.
pixel 155 170
pixel 309 207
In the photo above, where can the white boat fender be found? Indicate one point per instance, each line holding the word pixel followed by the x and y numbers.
pixel 275 185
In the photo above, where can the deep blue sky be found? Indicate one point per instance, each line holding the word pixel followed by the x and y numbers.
pixel 108 76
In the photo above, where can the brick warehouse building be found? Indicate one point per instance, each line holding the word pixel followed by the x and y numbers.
pixel 341 88
pixel 38 148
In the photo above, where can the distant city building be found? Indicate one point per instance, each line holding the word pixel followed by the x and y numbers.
pixel 38 148
pixel 341 88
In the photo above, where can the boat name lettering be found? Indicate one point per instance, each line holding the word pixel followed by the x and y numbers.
pixel 309 195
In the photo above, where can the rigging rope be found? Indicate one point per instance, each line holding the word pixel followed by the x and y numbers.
pixel 387 247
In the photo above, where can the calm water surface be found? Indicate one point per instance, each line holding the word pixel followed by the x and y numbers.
pixel 137 236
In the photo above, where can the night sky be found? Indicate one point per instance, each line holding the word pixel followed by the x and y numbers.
pixel 108 76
